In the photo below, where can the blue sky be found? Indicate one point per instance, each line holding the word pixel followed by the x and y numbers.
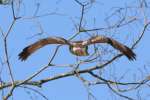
pixel 67 13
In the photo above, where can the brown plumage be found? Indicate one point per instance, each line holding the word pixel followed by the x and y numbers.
pixel 78 48
pixel 122 48
pixel 39 44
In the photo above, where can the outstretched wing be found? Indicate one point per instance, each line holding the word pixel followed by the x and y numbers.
pixel 39 44
pixel 122 48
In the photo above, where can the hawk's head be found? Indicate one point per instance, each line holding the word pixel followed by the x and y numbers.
pixel 79 50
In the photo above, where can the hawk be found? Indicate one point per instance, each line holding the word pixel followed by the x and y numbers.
pixel 78 48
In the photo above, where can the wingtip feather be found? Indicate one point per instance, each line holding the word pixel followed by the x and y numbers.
pixel 24 54
pixel 130 54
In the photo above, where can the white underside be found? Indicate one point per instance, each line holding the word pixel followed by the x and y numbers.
pixel 77 48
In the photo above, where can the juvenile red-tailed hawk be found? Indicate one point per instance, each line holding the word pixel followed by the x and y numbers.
pixel 78 48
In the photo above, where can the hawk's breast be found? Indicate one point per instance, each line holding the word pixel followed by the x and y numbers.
pixel 80 51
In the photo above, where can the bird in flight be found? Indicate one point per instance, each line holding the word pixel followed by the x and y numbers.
pixel 78 48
